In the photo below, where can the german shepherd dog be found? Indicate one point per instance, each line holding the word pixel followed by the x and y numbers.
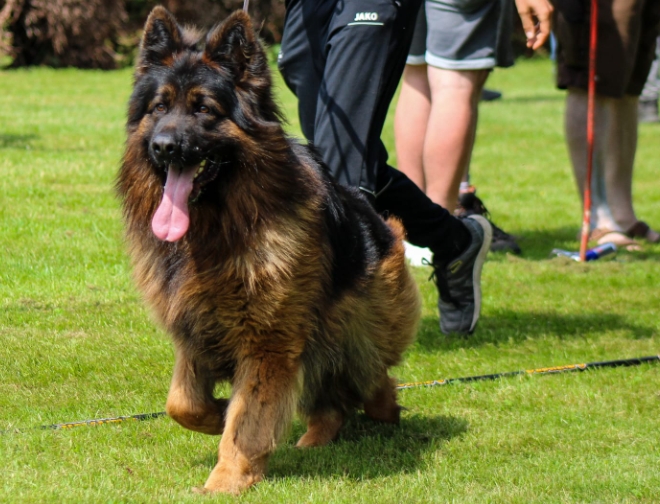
pixel 266 273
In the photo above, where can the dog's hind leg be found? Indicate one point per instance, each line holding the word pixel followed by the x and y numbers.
pixel 322 428
pixel 260 411
pixel 190 401
pixel 382 405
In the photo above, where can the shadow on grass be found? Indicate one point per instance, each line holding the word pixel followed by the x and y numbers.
pixel 365 449
pixel 530 99
pixel 537 244
pixel 8 141
pixel 508 326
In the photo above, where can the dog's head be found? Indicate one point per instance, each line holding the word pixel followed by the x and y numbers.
pixel 199 108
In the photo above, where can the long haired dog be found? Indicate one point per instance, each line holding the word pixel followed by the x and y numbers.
pixel 265 272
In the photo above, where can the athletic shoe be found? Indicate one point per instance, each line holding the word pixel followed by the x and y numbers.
pixel 459 281
pixel 470 204
pixel 490 95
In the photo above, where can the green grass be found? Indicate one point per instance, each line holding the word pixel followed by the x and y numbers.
pixel 77 342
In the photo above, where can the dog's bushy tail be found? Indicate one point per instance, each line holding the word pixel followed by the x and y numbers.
pixel 397 228
pixel 402 295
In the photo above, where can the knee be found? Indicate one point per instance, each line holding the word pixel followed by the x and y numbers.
pixel 181 413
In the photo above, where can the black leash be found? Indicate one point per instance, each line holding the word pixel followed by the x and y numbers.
pixel 89 423
pixel 403 386
pixel 547 370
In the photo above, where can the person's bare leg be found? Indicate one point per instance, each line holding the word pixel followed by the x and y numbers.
pixel 410 121
pixel 451 131
pixel 619 168
pixel 620 159
pixel 576 140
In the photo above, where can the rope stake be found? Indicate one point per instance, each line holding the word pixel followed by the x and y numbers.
pixel 591 102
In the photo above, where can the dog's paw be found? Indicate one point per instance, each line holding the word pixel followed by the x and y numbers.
pixel 230 481
pixel 311 440
pixel 322 429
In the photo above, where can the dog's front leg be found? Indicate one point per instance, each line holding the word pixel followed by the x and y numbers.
pixel 259 413
pixel 190 401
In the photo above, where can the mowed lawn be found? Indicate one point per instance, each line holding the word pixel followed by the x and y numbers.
pixel 77 343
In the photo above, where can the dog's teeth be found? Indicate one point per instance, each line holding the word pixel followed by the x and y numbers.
pixel 200 169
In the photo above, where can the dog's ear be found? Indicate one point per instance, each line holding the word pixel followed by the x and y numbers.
pixel 234 44
pixel 161 39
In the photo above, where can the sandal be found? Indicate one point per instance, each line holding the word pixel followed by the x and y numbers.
pixel 619 239
pixel 641 229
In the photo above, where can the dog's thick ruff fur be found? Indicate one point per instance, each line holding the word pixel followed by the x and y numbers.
pixel 266 273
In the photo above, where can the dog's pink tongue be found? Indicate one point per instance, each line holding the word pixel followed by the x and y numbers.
pixel 171 220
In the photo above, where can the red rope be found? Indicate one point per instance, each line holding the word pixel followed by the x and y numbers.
pixel 591 100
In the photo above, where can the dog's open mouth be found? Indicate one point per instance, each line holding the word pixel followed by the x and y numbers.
pixel 183 186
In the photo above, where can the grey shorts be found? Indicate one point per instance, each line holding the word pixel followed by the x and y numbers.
pixel 463 34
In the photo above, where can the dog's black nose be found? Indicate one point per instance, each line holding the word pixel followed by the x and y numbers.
pixel 164 147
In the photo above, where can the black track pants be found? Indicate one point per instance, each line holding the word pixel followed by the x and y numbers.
pixel 343 60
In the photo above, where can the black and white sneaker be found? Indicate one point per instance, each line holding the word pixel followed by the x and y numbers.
pixel 470 204
pixel 459 281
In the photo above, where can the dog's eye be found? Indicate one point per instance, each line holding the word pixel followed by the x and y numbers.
pixel 203 109
pixel 161 107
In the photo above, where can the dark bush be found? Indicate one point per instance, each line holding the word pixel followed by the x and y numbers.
pixel 267 14
pixel 105 33
pixel 80 33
